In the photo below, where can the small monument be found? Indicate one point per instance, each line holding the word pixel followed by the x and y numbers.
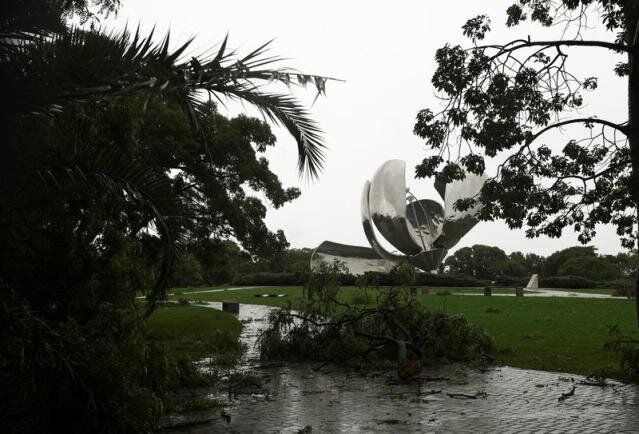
pixel 533 283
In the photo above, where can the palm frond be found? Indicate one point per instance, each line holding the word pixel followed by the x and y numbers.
pixel 50 72
pixel 130 182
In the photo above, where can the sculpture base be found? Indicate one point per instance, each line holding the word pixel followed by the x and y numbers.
pixel 357 259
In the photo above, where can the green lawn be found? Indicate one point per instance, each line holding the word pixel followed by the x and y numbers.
pixel 193 331
pixel 554 334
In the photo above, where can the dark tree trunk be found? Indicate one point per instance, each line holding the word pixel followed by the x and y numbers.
pixel 633 131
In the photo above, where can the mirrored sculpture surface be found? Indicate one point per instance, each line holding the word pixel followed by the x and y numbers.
pixel 422 230
pixel 387 205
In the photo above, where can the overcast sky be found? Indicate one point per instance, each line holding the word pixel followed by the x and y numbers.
pixel 385 54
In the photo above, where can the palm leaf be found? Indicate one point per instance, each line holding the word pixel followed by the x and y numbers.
pixel 129 182
pixel 71 67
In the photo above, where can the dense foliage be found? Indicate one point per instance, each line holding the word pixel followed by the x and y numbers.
pixel 501 100
pixel 390 329
pixel 479 265
pixel 111 167
pixel 492 263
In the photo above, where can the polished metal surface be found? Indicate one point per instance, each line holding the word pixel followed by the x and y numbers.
pixel 458 223
pixel 428 260
pixel 387 204
pixel 423 230
pixel 426 218
pixel 368 227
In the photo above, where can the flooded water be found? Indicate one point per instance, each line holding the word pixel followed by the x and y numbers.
pixel 446 399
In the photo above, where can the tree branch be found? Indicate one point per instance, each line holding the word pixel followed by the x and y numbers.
pixel 617 127
pixel 526 44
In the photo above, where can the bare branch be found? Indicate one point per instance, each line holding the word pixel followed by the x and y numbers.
pixel 521 43
pixel 622 128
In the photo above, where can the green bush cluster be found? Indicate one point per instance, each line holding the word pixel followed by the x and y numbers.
pixel 570 282
pixel 84 376
pixel 270 279
pixel 628 350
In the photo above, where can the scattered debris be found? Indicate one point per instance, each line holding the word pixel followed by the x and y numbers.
pixel 431 392
pixel 392 422
pixel 312 392
pixel 567 395
pixel 566 379
pixel 594 381
pixel 427 379
pixel 479 394
pixel 225 416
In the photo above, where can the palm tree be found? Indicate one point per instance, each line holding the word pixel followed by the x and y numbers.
pixel 48 66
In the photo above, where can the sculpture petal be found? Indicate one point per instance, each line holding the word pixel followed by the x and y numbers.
pixel 387 204
pixel 368 227
pixel 428 260
pixel 426 218
pixel 458 223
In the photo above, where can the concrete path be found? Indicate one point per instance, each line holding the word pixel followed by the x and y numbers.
pixel 541 292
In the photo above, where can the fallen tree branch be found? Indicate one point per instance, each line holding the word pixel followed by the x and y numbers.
pixel 567 395
pixel 479 394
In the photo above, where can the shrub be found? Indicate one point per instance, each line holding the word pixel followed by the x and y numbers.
pixel 627 291
pixel 617 284
pixel 511 281
pixel 427 279
pixel 628 350
pixel 569 282
pixel 451 280
pixel 188 271
pixel 270 279
pixel 381 279
pixel 360 299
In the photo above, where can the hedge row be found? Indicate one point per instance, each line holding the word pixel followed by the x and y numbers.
pixel 427 279
pixel 570 282
pixel 382 279
pixel 270 279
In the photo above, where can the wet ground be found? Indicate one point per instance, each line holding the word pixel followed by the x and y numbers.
pixel 451 399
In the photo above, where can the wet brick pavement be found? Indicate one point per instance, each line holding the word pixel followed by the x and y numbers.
pixel 506 400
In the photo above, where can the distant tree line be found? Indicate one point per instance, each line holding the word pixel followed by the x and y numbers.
pixel 492 263
pixel 213 262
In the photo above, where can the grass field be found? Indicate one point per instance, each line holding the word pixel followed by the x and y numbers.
pixel 554 334
pixel 193 331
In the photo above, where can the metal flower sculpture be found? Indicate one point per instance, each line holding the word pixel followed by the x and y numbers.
pixel 422 230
